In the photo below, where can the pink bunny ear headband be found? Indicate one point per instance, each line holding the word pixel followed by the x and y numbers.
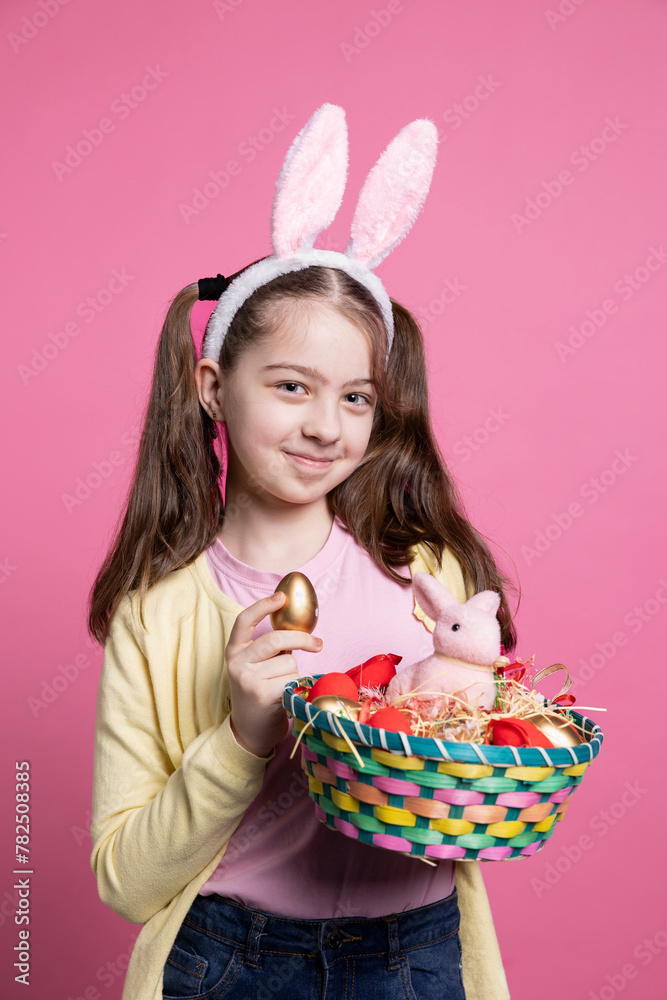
pixel 308 194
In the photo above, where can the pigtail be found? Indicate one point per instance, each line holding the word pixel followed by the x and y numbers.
pixel 174 507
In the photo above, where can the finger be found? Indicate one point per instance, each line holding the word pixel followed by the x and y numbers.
pixel 248 619
pixel 272 644
pixel 283 666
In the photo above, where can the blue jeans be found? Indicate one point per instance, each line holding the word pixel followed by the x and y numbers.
pixel 226 950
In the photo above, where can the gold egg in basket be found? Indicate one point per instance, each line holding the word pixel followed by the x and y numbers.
pixel 557 729
pixel 338 705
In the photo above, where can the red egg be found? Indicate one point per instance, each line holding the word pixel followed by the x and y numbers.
pixel 391 719
pixel 375 672
pixel 339 684
pixel 517 733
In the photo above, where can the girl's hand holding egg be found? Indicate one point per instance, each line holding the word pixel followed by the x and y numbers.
pixel 259 669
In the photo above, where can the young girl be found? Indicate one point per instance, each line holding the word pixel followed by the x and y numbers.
pixel 202 828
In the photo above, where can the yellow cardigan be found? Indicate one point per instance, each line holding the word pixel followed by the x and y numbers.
pixel 171 784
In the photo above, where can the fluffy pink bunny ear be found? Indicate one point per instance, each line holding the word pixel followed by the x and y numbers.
pixel 487 601
pixel 310 187
pixel 432 596
pixel 393 193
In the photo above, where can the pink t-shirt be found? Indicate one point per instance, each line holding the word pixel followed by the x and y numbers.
pixel 281 859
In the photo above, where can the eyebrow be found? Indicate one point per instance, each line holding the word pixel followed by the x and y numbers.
pixel 313 373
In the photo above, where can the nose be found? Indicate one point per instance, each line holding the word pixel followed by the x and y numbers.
pixel 322 420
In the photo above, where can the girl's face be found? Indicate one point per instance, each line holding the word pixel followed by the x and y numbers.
pixel 307 392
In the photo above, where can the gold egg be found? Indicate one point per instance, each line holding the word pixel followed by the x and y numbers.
pixel 300 610
pixel 557 729
pixel 338 705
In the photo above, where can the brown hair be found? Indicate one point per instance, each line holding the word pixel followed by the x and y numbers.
pixel 174 508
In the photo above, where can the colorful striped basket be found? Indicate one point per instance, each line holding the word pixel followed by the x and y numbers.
pixel 435 798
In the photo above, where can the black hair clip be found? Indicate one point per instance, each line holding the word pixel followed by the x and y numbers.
pixel 212 288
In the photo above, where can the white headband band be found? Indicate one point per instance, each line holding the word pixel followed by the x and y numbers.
pixel 308 194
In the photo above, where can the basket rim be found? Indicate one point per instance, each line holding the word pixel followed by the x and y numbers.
pixel 439 749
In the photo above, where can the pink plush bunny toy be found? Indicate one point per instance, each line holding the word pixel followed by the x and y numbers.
pixel 466 645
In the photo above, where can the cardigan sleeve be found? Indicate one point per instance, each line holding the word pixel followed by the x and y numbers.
pixel 156 827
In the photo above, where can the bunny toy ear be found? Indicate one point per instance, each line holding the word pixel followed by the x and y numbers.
pixel 487 601
pixel 310 187
pixel 393 193
pixel 431 595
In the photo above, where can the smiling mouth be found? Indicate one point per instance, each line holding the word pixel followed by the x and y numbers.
pixel 313 463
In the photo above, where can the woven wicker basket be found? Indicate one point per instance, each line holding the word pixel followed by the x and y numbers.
pixel 435 798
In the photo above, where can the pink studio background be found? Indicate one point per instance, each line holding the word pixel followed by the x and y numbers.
pixel 530 427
